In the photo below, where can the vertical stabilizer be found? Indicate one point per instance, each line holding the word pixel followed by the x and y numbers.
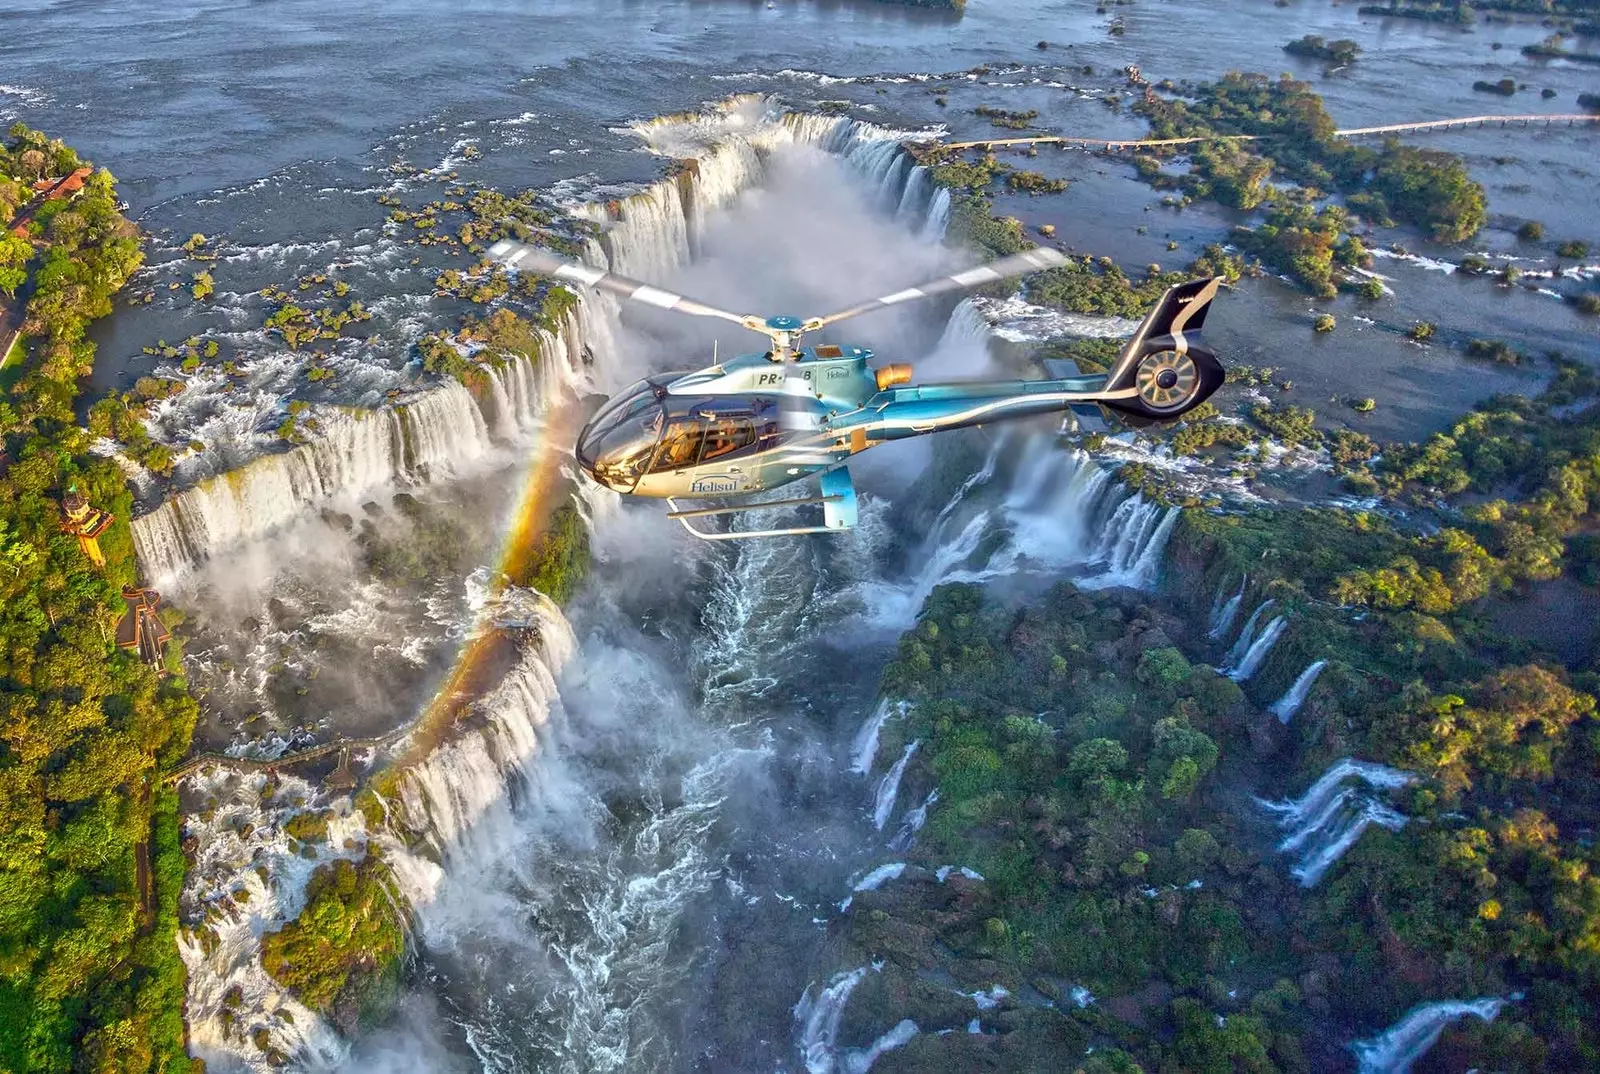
pixel 1167 362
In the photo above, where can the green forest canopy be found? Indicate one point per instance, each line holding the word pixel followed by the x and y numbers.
pixel 90 862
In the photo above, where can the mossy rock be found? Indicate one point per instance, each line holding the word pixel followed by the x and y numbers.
pixel 308 827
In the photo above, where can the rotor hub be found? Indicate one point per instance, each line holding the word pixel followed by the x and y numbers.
pixel 785 324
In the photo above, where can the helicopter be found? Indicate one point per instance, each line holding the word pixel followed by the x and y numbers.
pixel 753 423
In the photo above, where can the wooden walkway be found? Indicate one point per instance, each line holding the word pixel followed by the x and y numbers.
pixel 198 761
pixel 1351 132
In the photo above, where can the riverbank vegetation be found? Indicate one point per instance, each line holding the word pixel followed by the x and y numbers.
pixel 90 864
pixel 1302 233
pixel 1425 188
pixel 1121 890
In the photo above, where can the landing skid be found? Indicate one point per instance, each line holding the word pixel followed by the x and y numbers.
pixel 838 502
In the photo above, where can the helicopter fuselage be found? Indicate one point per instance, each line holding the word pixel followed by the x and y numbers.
pixel 751 424
pixel 762 421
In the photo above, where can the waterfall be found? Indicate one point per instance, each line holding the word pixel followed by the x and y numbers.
pixel 648 234
pixel 1289 704
pixel 248 879
pixel 1223 613
pixel 1328 818
pixel 900 186
pixel 357 451
pixel 445 795
pixel 979 477
pixel 884 166
pixel 880 876
pixel 819 1016
pixel 938 220
pixel 434 431
pixel 1258 650
pixel 454 798
pixel 913 822
pixel 860 1060
pixel 913 207
pixel 1064 510
pixel 1246 635
pixel 1131 546
pixel 1396 1048
pixel 243 847
pixel 865 748
pixel 889 788
pixel 819 1020
pixel 965 332
pixel 1060 512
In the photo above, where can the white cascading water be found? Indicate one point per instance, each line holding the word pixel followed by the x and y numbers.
pixel 1328 818
pixel 442 429
pixel 865 748
pixel 1064 510
pixel 901 186
pixel 880 876
pixel 445 795
pixel 243 847
pixel 446 798
pixel 860 1060
pixel 938 221
pixel 1131 545
pixel 1224 611
pixel 1246 635
pixel 913 821
pixel 250 879
pixel 914 201
pixel 1286 706
pixel 889 788
pixel 1402 1044
pixel 819 1017
pixel 1256 654
pixel 981 476
pixel 652 233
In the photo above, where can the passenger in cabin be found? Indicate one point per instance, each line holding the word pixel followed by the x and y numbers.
pixel 681 447
pixel 722 438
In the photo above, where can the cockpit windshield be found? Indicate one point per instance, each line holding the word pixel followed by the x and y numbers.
pixel 617 445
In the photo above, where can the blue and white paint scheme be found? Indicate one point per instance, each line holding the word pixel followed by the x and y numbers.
pixel 761 421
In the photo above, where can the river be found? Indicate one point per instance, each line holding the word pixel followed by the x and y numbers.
pixel 647 884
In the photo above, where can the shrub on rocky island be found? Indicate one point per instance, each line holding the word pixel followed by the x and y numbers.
pixel 1341 52
pixel 341 956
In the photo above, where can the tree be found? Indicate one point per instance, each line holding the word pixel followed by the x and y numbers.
pixel 15 253
pixel 33 163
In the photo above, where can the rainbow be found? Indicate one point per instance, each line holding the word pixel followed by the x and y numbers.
pixel 490 650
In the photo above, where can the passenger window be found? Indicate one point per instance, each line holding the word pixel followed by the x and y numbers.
pixel 679 447
pixel 726 437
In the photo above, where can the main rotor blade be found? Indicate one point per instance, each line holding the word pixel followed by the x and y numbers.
pixel 1017 264
pixel 528 259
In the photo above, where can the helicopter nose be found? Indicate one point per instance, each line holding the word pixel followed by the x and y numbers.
pixel 588 453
